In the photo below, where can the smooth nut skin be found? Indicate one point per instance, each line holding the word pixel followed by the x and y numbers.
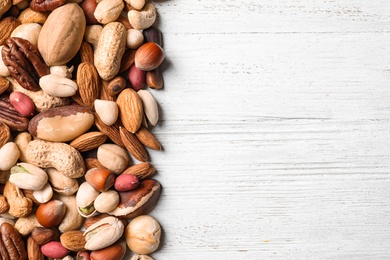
pixel 61 124
pixel 134 38
pixel 143 234
pixel 54 249
pixel 154 79
pixel 107 110
pixel 72 219
pixel 149 56
pixel 28 31
pixel 106 201
pixel 22 103
pixel 50 214
pixel 62 34
pixel 126 182
pixel 113 157
pixel 100 179
pixel 150 106
pixel 58 86
pixel 137 78
pixel 12 245
pixel 9 155
pixel 43 195
pixel 42 235
pixel 114 252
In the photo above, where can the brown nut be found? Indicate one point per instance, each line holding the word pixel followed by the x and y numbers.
pixel 7 25
pixel 19 205
pixel 153 34
pixel 89 141
pixel 30 16
pixel 139 201
pixel 142 170
pixel 4 206
pixel 130 109
pixel 89 7
pixel 50 214
pixel 133 145
pixel 11 244
pixel 61 184
pixel 42 235
pixel 73 240
pixel 100 179
pixel 33 250
pixel 116 85
pixel 92 220
pixel 61 124
pixel 114 252
pixel 88 82
pixel 149 56
pixel 11 117
pixel 143 234
pixel 46 5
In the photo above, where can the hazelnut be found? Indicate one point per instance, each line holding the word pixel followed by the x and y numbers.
pixel 100 179
pixel 113 252
pixel 149 56
pixel 143 235
pixel 50 214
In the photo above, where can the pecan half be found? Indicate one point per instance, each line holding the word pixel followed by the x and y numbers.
pixel 11 244
pixel 24 62
pixel 45 5
pixel 11 117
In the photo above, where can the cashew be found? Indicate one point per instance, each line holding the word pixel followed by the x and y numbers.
pixel 19 205
pixel 58 86
pixel 137 4
pixel 142 19
pixel 108 11
pixel 42 100
pixel 3 68
pixel 61 156
pixel 62 71
pixel 92 34
pixel 28 31
pixel 9 155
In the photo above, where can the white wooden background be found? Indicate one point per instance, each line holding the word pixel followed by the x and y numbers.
pixel 276 128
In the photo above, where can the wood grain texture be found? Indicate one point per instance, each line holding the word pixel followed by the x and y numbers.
pixel 276 129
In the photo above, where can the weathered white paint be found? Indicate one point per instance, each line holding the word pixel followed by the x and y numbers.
pixel 276 128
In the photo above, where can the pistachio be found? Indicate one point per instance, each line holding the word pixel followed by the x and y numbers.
pixel 113 157
pixel 106 201
pixel 103 233
pixel 85 198
pixel 27 176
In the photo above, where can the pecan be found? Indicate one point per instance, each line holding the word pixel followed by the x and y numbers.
pixel 11 244
pixel 24 62
pixel 11 117
pixel 45 5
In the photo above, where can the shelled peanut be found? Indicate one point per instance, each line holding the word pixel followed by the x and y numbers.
pixel 76 119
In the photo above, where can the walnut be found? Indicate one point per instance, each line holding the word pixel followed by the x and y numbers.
pixel 24 62
pixel 46 5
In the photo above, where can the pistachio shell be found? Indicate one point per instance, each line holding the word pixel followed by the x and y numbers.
pixel 107 201
pixel 85 198
pixel 103 233
pixel 28 176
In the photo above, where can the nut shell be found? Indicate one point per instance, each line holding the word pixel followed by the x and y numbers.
pixel 149 56
pixel 50 214
pixel 100 179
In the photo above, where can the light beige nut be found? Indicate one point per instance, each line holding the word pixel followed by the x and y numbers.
pixel 61 156
pixel 61 124
pixel 19 205
pixel 72 219
pixel 27 176
pixel 62 70
pixel 43 195
pixel 144 18
pixel 41 99
pixel 58 86
pixel 108 10
pixel 3 68
pixel 141 257
pixel 22 140
pixel 107 111
pixel 85 198
pixel 7 220
pixel 143 234
pixel 9 155
pixel 62 34
pixel 134 38
pixel 61 184
pixel 27 224
pixel 150 106
pixel 92 34
pixel 103 233
pixel 137 4
pixel 106 201
pixel 28 31
pixel 113 157
pixel 110 49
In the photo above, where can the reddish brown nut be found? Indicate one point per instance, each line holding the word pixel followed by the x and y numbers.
pixel 33 250
pixel 101 179
pixel 149 56
pixel 114 252
pixel 42 235
pixel 89 7
pixel 11 117
pixel 115 86
pixel 11 244
pixel 126 182
pixel 73 240
pixel 153 34
pixel 7 25
pixel 142 170
pixel 54 249
pixel 22 103
pixel 127 60
pixel 154 79
pixel 83 256
pixel 136 77
pixel 50 214
pixel 45 5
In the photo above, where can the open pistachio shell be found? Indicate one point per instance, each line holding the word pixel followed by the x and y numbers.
pixel 27 176
pixel 103 233
pixel 85 198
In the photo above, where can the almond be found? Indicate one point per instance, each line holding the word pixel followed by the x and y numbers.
pixel 89 83
pixel 111 131
pixel 148 139
pixel 86 52
pixel 133 145
pixel 142 170
pixel 4 84
pixel 130 109
pixel 73 240
pixel 7 25
pixel 5 134
pixel 89 141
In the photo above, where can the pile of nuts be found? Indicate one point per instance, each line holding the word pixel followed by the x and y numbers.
pixel 76 113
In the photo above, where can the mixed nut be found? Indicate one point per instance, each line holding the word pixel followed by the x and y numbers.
pixel 76 113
